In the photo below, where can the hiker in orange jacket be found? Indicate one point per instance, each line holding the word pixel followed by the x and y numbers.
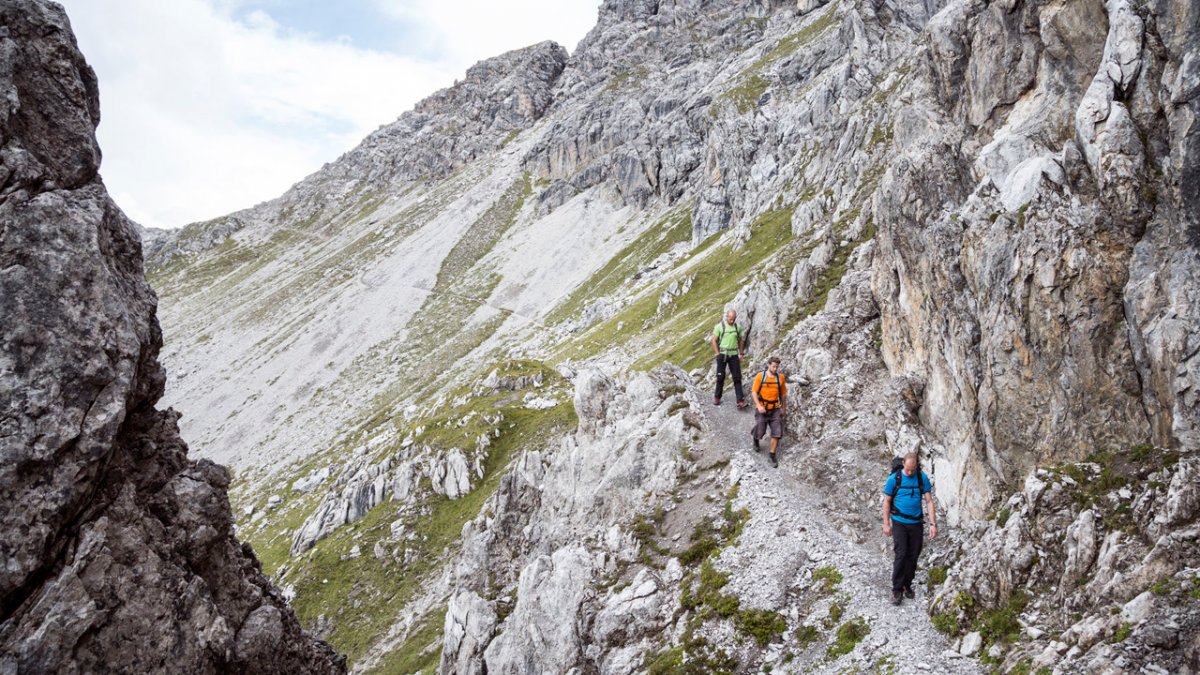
pixel 769 389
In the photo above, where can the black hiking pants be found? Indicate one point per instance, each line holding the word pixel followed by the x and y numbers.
pixel 734 362
pixel 907 540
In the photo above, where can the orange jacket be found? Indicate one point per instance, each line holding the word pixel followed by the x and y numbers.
pixel 772 391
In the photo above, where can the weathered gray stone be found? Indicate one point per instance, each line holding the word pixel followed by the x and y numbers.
pixel 119 553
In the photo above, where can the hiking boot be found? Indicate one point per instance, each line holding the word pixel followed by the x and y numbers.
pixel 757 447
pixel 741 405
pixel 896 598
pixel 908 593
pixel 774 462
pixel 716 400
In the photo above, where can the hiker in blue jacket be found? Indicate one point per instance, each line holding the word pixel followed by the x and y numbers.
pixel 903 521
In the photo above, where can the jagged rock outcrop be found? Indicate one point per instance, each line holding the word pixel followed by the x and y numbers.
pixel 118 551
pixel 1097 564
pixel 1032 313
pixel 558 514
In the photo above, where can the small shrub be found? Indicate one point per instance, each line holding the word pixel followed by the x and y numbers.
pixel 807 635
pixel 946 622
pixel 1121 633
pixel 761 624
pixel 1002 516
pixel 937 576
pixel 836 611
pixel 848 636
pixel 1000 625
pixel 1161 587
pixel 828 577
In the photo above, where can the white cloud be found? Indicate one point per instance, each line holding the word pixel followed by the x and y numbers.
pixel 470 30
pixel 203 114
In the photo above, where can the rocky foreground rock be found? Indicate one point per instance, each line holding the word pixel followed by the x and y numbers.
pixel 118 551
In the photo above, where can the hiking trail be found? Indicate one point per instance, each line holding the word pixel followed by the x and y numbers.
pixel 792 531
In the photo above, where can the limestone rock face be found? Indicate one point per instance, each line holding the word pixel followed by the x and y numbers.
pixel 119 554
pixel 1037 313
pixel 1122 573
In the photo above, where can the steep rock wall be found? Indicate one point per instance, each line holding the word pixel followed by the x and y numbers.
pixel 119 554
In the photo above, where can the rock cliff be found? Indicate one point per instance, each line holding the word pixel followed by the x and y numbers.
pixel 119 553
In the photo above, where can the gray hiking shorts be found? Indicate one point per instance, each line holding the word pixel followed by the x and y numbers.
pixel 771 417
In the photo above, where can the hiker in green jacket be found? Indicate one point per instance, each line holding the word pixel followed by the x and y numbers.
pixel 727 345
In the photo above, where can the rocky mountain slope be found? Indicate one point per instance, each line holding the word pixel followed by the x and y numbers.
pixel 969 228
pixel 119 553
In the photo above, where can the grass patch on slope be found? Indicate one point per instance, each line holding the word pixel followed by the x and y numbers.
pixel 686 324
pixel 421 652
pixel 362 595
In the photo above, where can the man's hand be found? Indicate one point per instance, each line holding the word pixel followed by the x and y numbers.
pixel 760 408
pixel 933 531
pixel 887 528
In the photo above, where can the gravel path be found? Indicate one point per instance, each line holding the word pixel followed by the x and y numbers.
pixel 792 531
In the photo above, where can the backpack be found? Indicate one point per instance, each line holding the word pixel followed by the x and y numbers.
pixel 737 331
pixel 898 471
pixel 762 379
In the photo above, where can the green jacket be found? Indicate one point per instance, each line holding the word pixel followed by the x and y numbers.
pixel 728 336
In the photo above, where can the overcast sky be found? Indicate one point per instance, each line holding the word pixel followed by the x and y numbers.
pixel 209 106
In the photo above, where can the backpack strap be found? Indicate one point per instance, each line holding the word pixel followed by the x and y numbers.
pixel 762 379
pixel 920 517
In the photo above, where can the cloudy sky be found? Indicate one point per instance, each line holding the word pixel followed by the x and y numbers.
pixel 209 106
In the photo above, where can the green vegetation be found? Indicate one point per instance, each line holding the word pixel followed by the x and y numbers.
pixel 626 80
pixel 827 577
pixel 806 635
pixel 885 665
pixel 646 531
pixel 830 277
pixel 745 95
pixel 694 657
pixel 761 624
pixel 1161 588
pixel 788 45
pixel 836 611
pixel 1117 469
pixel 880 135
pixel 1000 624
pixel 1121 633
pixel 937 576
pixel 362 594
pixel 1002 516
pixel 717 277
pixel 946 622
pixel 421 652
pixel 848 636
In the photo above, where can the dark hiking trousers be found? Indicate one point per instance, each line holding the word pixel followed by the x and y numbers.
pixel 907 540
pixel 734 362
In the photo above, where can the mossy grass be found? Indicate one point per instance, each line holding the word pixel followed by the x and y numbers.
pixel 422 649
pixel 849 634
pixel 362 595
pixel 827 578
